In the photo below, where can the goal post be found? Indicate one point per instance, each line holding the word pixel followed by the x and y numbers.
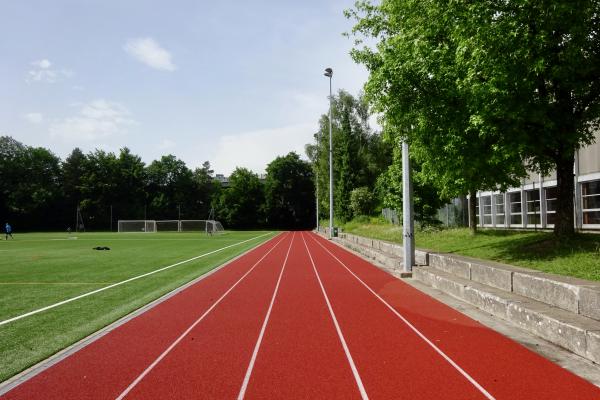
pixel 168 225
pixel 201 225
pixel 138 225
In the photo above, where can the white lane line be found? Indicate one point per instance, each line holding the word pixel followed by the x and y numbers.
pixel 414 329
pixel 184 334
pixel 60 303
pixel 359 383
pixel 264 327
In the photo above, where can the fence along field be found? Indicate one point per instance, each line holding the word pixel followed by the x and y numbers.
pixel 39 270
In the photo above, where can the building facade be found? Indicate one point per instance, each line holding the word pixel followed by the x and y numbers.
pixel 533 205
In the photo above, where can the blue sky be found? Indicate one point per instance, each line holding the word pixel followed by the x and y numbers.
pixel 232 82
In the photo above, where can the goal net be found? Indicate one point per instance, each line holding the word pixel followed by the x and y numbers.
pixel 201 225
pixel 141 225
pixel 168 225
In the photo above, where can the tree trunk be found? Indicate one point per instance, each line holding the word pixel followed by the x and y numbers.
pixel 472 215
pixel 565 220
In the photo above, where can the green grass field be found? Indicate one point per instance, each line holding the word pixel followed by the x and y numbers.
pixel 38 270
pixel 578 257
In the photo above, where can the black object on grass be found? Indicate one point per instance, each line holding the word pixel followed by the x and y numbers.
pixel 101 248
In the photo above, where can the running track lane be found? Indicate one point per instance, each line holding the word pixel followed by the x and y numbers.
pixel 502 367
pixel 301 356
pixel 210 362
pixel 107 366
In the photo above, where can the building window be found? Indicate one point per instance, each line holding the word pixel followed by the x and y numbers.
pixel 486 202
pixel 533 207
pixel 516 218
pixel 499 198
pixel 477 212
pixel 551 194
pixel 590 194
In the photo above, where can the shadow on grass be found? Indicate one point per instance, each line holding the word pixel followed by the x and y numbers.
pixel 541 246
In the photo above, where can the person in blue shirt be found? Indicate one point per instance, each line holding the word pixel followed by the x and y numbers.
pixel 8 231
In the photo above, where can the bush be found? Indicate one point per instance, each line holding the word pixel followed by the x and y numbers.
pixel 361 201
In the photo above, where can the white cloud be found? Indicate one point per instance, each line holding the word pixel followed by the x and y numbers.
pixel 34 118
pixel 149 52
pixel 41 72
pixel 98 119
pixel 255 149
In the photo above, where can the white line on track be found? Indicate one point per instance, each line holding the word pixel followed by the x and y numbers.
pixel 264 327
pixel 413 328
pixel 359 383
pixel 188 330
pixel 60 303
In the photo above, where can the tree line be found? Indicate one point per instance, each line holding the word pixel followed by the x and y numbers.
pixel 367 166
pixel 39 191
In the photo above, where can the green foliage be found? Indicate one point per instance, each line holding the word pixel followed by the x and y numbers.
pixel 359 154
pixel 289 193
pixel 426 196
pixel 241 205
pixel 361 201
pixel 482 89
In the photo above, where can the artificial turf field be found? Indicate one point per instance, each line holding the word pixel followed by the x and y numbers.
pixel 41 269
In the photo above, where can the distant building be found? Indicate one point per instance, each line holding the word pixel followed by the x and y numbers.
pixel 224 180
pixel 533 205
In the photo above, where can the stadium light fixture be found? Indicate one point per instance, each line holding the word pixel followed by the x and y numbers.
pixel 329 73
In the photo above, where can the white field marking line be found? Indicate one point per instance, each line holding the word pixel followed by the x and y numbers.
pixel 264 327
pixel 359 383
pixel 188 330
pixel 414 329
pixel 60 303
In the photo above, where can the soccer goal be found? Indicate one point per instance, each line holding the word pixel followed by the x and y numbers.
pixel 201 225
pixel 140 225
pixel 168 225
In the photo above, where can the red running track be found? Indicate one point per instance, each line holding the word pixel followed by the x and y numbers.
pixel 300 318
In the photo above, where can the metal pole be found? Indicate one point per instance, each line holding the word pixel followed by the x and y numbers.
pixel 329 74
pixel 330 163
pixel 408 225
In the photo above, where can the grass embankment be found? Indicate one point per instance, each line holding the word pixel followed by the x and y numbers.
pixel 578 257
pixel 37 270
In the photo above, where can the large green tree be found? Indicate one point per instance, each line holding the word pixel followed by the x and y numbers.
pixel 359 155
pixel 289 193
pixel 170 188
pixel 241 205
pixel 479 87
pixel 534 68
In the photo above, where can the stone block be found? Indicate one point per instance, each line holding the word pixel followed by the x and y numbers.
pixel 493 276
pixel 553 325
pixel 589 302
pixel 547 289
pixel 487 301
pixel 451 265
pixel 593 346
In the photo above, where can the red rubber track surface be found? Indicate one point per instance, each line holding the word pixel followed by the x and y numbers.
pixel 272 336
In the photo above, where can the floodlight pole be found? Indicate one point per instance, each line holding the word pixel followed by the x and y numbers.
pixel 408 221
pixel 329 74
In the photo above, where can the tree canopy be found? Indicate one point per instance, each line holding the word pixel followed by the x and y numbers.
pixel 483 89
